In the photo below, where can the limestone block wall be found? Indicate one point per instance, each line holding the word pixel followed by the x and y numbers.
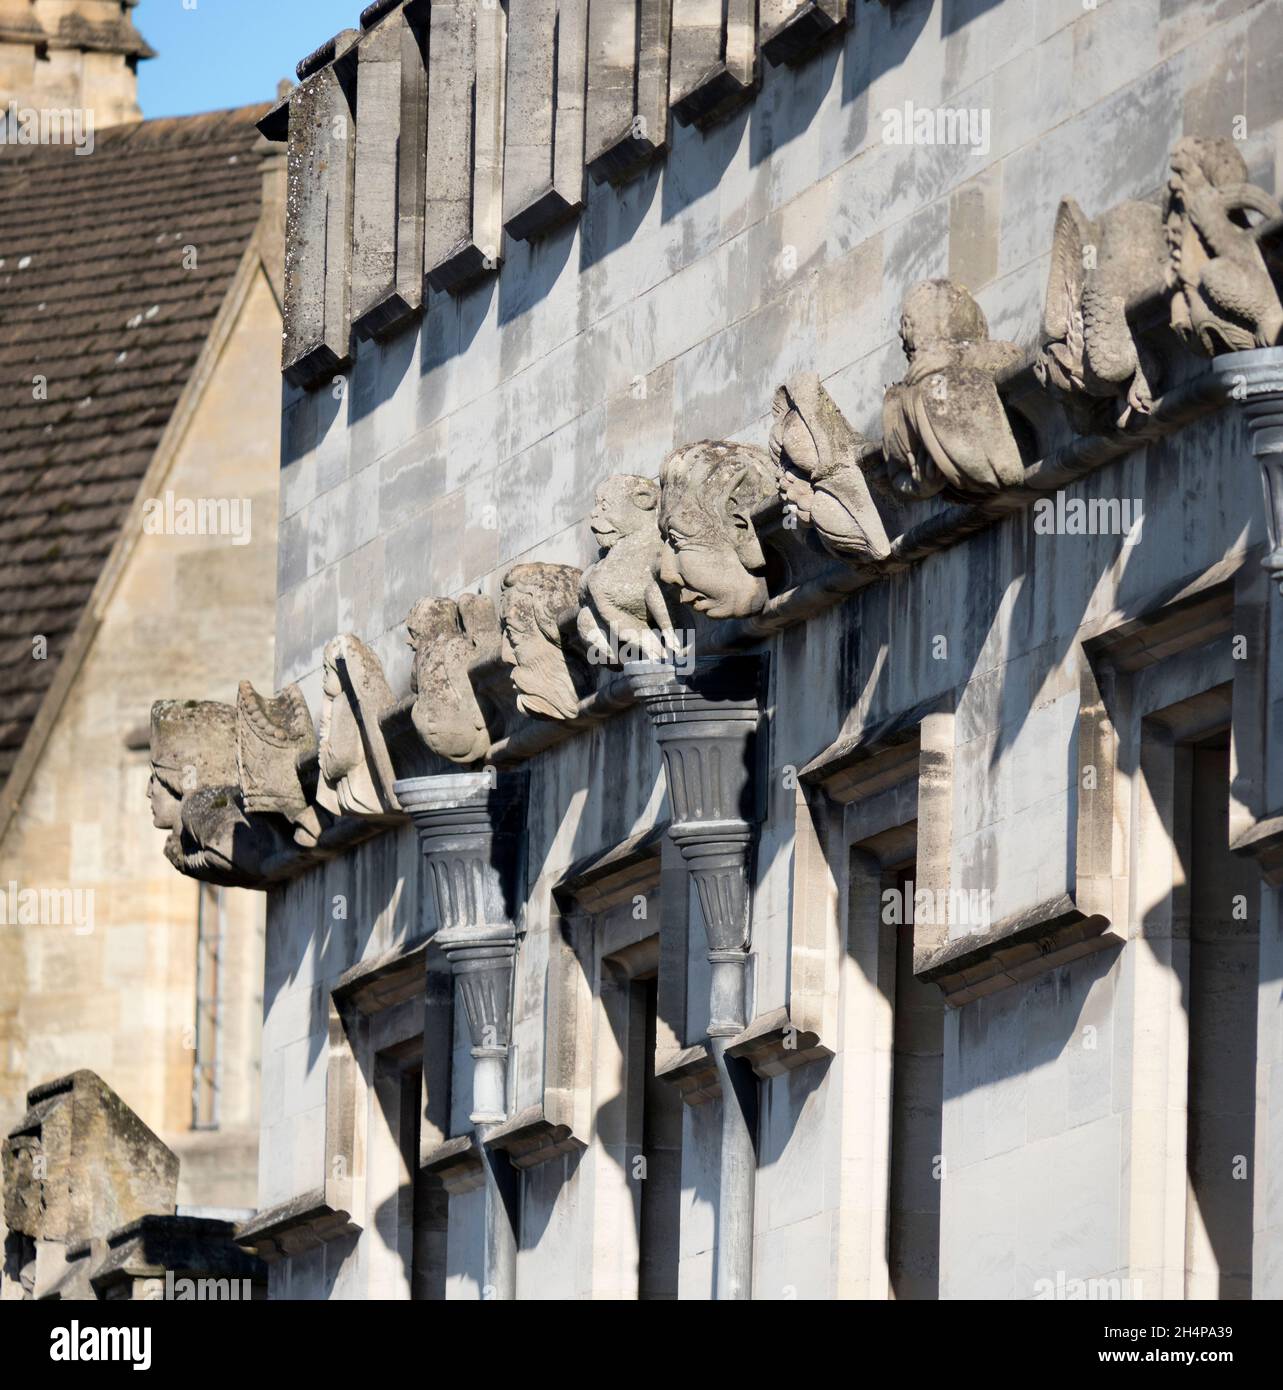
pixel 783 239
pixel 119 989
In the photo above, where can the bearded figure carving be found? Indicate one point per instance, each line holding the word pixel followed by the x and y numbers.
pixel 709 493
pixel 550 678
pixel 1090 358
pixel 356 769
pixel 272 736
pixel 821 475
pixel 944 425
pixel 448 639
pixel 1224 299
pixel 622 601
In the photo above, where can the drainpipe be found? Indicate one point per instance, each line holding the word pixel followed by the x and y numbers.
pixel 470 828
pixel 1255 380
pixel 706 723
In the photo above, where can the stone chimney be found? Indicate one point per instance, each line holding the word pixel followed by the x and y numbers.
pixel 71 54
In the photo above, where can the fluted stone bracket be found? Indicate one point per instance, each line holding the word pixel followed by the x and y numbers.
pixel 471 831
pixel 1254 380
pixel 706 724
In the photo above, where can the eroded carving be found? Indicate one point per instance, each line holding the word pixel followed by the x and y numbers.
pixel 356 770
pixel 944 425
pixel 1090 358
pixel 821 474
pixel 1224 299
pixel 623 602
pixel 448 639
pixel 193 745
pixel 708 494
pixel 272 735
pixel 217 842
pixel 549 677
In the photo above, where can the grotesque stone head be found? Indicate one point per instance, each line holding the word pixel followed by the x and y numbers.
pixel 356 770
pixel 820 460
pixel 193 745
pixel 547 679
pixel 448 638
pixel 940 314
pixel 709 492
pixel 626 503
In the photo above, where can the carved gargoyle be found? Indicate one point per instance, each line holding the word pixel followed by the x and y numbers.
pixel 448 638
pixel 550 678
pixel 821 476
pixel 1090 358
pixel 356 770
pixel 195 795
pixel 1224 299
pixel 272 736
pixel 193 745
pixel 708 494
pixel 944 425
pixel 217 842
pixel 623 602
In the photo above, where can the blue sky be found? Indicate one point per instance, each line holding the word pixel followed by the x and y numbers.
pixel 219 53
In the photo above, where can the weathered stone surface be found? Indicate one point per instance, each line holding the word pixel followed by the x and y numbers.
pixel 624 603
pixel 463 219
pixel 550 678
pixel 1090 358
pixel 792 28
pixel 714 59
pixel 273 735
pixel 389 176
pixel 709 492
pixel 356 770
pixel 821 459
pixel 626 115
pixel 450 638
pixel 543 174
pixel 944 425
pixel 1224 299
pixel 81 1164
pixel 193 745
pixel 318 253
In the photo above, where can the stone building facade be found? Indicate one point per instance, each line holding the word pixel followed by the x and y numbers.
pixel 731 826
pixel 140 319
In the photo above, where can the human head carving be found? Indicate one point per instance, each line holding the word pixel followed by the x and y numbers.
pixel 356 770
pixel 448 638
pixel 709 493
pixel 193 745
pixel 549 680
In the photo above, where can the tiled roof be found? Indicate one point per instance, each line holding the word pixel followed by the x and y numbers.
pixel 95 298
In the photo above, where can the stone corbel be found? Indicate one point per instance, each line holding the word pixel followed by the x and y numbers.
pixel 451 714
pixel 944 425
pixel 791 29
pixel 356 768
pixel 547 670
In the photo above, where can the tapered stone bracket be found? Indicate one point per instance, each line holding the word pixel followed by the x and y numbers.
pixel 1254 379
pixel 791 29
pixel 713 69
pixel 471 828
pixel 707 725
